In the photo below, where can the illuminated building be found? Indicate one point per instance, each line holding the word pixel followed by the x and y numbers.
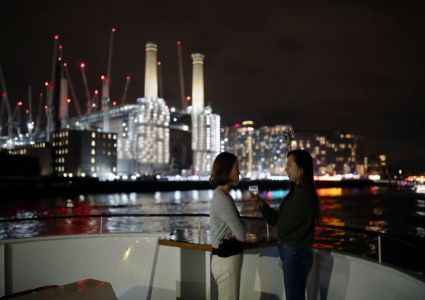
pixel 332 152
pixel 205 124
pixel 84 153
pixel 142 129
pixel 376 165
pixel 261 151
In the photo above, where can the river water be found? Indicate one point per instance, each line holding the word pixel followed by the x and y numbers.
pixel 396 212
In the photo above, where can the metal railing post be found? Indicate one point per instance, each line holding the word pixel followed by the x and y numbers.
pixel 199 229
pixel 379 249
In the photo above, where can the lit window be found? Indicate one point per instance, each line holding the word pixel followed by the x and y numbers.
pixel 93 135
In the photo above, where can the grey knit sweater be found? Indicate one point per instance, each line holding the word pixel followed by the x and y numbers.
pixel 224 218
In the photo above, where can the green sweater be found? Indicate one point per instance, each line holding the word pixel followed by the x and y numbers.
pixel 295 218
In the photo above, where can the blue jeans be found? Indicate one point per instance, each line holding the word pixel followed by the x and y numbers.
pixel 297 262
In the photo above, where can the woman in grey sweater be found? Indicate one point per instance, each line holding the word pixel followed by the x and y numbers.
pixel 227 229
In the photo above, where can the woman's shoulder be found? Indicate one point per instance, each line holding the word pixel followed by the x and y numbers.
pixel 307 192
pixel 219 194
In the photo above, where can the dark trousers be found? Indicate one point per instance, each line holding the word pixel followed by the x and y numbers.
pixel 297 262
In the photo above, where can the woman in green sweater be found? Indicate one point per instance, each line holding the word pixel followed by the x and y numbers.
pixel 295 220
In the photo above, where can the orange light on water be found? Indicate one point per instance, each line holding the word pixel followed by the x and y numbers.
pixel 329 192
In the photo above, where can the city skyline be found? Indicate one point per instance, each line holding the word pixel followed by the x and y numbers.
pixel 351 67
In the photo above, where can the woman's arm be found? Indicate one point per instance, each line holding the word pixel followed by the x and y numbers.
pixel 269 214
pixel 230 216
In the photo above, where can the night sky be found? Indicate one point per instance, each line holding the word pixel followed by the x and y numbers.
pixel 351 66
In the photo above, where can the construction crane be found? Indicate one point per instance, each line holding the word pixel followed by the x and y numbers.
pixel 181 76
pixel 160 85
pixel 30 122
pixel 6 103
pixel 39 115
pixel 86 85
pixel 124 94
pixel 71 88
pixel 52 74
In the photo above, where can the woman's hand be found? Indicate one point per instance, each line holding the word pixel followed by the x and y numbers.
pixel 229 235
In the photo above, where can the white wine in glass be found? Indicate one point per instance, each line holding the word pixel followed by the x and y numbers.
pixel 253 189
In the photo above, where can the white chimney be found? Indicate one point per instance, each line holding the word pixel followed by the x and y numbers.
pixel 151 75
pixel 198 81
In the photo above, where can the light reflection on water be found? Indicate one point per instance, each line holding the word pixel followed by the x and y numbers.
pixel 380 209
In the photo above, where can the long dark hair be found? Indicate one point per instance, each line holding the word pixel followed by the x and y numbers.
pixel 221 168
pixel 304 160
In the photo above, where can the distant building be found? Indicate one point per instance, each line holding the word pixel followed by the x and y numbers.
pixel 42 151
pixel 377 164
pixel 180 141
pixel 18 165
pixel 261 151
pixel 205 124
pixel 84 153
pixel 332 152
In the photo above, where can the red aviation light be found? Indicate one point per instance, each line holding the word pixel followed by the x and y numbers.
pixel 113 29
pixel 46 84
pixel 237 125
pixel 56 37
pixel 103 77
pixel 41 94
pixel 179 43
pixel 159 62
pixel 114 103
pixel 188 98
pixel 68 100
pixel 59 58
pixel 45 107
pixel 65 64
pixel 27 111
pixel 128 77
pixel 60 47
pixel 82 65
pixel 19 103
pixel 4 94
pixel 96 92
